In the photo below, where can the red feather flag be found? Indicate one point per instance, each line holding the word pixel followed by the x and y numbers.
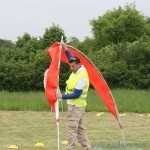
pixel 52 75
pixel 96 79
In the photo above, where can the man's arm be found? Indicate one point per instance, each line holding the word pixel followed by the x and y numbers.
pixel 76 93
pixel 68 54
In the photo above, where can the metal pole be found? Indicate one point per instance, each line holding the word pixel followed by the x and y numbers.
pixel 122 135
pixel 58 130
pixel 57 102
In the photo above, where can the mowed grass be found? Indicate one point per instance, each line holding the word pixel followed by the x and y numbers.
pixel 26 128
pixel 127 101
pixel 23 101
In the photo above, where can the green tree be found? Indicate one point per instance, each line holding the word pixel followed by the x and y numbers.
pixel 27 43
pixel 119 25
pixel 86 46
pixel 41 63
pixel 138 60
pixel 6 43
pixel 52 35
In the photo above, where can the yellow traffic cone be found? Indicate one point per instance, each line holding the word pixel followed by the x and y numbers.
pixel 64 142
pixel 124 114
pixel 13 147
pixel 39 144
pixel 141 115
pixel 99 114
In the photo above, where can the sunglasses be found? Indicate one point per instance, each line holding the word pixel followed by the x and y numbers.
pixel 73 58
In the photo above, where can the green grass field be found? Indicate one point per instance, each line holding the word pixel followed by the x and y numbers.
pixel 126 100
pixel 25 120
pixel 26 128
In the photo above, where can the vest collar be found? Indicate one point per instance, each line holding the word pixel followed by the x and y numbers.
pixel 80 69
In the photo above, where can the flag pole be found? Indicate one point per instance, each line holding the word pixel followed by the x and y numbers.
pixel 57 102
pixel 122 135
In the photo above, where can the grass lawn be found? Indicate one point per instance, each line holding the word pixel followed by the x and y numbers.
pixel 26 128
pixel 127 101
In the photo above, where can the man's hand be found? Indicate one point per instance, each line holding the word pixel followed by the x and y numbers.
pixel 64 46
pixel 58 95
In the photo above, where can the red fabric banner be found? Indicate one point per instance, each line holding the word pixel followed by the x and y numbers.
pixel 96 79
pixel 52 75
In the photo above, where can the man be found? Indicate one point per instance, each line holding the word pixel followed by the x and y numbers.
pixel 76 94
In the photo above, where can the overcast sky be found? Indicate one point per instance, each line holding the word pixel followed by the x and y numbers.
pixel 73 16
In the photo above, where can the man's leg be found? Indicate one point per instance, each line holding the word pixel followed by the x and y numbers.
pixel 73 117
pixel 82 136
pixel 72 128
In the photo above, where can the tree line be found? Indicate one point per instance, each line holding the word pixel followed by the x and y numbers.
pixel 120 48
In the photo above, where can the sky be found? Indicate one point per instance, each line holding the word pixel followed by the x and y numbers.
pixel 73 16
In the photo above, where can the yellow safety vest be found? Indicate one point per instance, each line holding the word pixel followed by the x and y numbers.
pixel 71 84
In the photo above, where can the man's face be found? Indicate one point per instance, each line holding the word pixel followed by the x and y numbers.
pixel 74 67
